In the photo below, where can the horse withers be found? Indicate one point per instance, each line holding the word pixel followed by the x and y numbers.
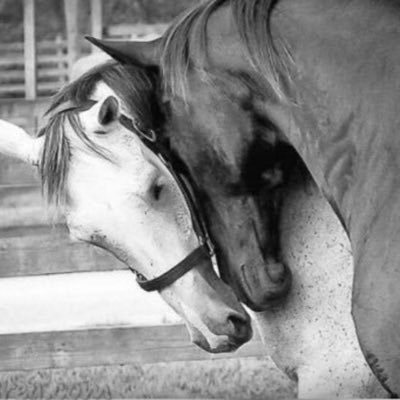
pixel 116 194
pixel 241 78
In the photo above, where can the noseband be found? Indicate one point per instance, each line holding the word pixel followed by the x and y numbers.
pixel 149 139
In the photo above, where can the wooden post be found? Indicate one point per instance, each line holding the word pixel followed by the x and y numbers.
pixel 71 17
pixel 62 77
pixel 30 49
pixel 96 7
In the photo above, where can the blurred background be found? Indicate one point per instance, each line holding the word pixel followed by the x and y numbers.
pixel 73 323
pixel 50 15
pixel 50 33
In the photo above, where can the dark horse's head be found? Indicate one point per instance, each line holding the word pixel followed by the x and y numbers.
pixel 235 157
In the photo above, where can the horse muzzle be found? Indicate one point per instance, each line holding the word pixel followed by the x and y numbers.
pixel 237 331
pixel 262 286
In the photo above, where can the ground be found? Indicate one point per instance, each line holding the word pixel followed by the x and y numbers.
pixel 235 378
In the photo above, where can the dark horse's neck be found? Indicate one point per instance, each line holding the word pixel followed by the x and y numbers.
pixel 346 60
pixel 343 94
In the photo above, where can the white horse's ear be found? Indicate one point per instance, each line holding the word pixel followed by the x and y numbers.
pixel 109 111
pixel 16 142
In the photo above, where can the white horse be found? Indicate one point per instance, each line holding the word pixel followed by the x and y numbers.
pixel 116 194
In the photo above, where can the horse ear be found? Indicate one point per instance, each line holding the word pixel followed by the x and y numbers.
pixel 16 142
pixel 145 54
pixel 109 111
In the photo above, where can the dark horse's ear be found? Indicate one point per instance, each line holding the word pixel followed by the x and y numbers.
pixel 130 52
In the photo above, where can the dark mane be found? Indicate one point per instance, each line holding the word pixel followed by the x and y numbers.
pixel 252 18
pixel 133 85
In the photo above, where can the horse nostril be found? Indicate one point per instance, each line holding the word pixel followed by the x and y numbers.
pixel 241 326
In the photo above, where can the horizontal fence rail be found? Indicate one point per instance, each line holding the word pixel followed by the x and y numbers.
pixel 18 59
pixel 37 250
pixel 43 46
pixel 113 346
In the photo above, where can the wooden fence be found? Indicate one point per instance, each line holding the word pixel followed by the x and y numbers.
pixel 107 346
pixel 41 267
pixel 52 60
pixel 51 67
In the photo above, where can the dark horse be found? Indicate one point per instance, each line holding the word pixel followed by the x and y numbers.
pixel 241 81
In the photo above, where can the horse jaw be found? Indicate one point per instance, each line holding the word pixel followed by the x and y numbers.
pixel 215 324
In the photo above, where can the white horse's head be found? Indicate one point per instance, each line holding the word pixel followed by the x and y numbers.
pixel 115 193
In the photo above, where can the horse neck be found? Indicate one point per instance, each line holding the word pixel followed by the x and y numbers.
pixel 343 80
pixel 346 62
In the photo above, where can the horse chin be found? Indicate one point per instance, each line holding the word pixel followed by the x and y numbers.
pixel 217 344
pixel 262 286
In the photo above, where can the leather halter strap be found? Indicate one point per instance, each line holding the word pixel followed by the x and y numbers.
pixel 149 139
pixel 169 277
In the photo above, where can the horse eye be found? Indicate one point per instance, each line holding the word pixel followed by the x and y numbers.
pixel 156 191
pixel 100 132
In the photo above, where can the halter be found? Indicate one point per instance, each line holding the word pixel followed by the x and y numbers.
pixel 149 138
pixel 206 248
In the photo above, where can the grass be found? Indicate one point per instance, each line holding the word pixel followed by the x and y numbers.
pixel 226 379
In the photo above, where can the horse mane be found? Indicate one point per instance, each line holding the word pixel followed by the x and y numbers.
pixel 137 91
pixel 252 19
